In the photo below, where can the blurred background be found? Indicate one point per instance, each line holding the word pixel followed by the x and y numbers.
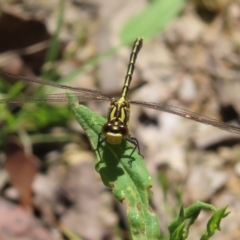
pixel 190 59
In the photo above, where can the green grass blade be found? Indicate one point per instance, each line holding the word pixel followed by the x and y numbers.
pixel 151 20
pixel 128 178
pixel 55 42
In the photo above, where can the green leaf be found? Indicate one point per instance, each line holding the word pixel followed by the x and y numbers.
pixel 151 20
pixel 178 233
pixel 179 228
pixel 128 178
pixel 178 221
pixel 214 223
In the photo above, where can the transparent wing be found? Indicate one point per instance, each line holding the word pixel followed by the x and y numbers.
pixel 189 115
pixel 53 84
pixel 83 94
pixel 57 98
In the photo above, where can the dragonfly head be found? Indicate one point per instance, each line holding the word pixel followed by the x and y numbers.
pixel 115 131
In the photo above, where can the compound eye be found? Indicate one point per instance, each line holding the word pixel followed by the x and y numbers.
pixel 106 128
pixel 123 129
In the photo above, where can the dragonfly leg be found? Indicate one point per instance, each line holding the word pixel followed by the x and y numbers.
pixel 100 141
pixel 134 141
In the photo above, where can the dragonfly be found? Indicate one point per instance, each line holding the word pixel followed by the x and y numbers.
pixel 115 130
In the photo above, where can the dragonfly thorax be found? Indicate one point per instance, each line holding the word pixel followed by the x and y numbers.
pixel 116 128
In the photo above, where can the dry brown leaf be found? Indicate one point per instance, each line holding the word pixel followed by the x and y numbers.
pixel 22 169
